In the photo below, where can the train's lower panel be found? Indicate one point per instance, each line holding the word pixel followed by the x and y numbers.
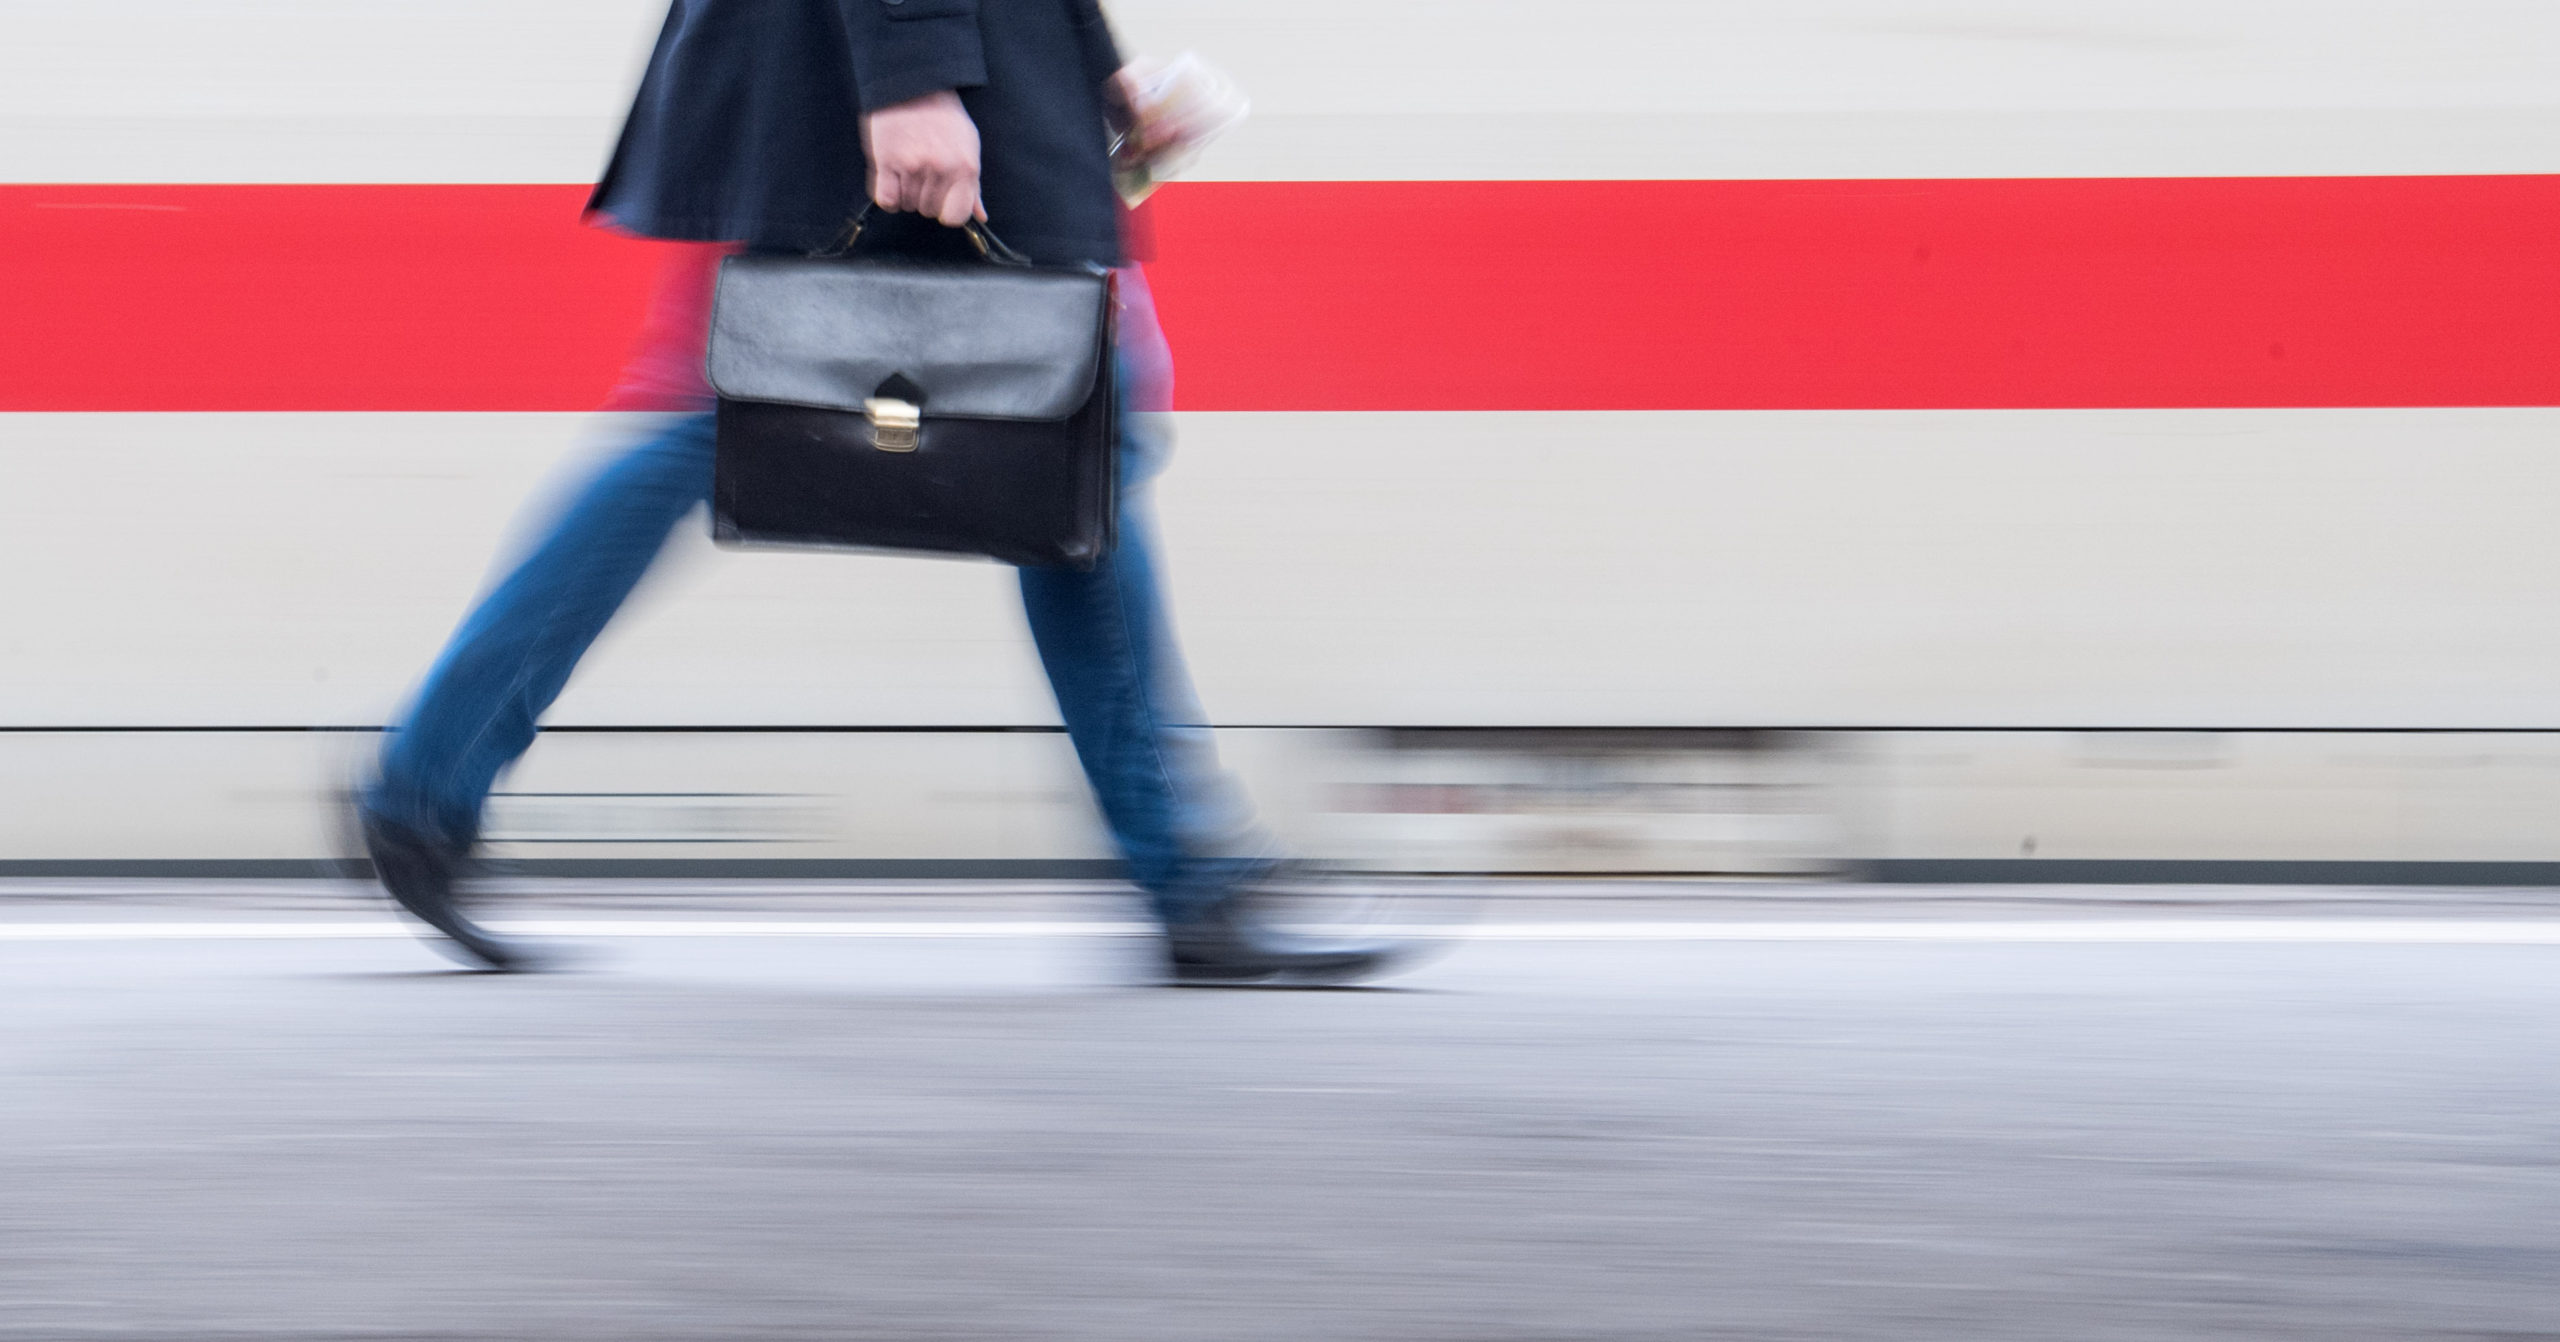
pixel 2211 806
pixel 2332 629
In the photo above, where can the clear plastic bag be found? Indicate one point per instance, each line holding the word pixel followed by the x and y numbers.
pixel 1178 107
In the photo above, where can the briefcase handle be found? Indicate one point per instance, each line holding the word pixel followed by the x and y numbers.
pixel 990 247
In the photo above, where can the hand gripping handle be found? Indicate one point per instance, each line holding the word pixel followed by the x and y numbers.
pixel 991 248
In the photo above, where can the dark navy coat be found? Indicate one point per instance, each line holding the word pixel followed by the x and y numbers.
pixel 747 125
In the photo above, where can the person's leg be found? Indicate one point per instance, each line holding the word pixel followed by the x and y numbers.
pixel 485 696
pixel 480 704
pixel 1180 822
pixel 1184 827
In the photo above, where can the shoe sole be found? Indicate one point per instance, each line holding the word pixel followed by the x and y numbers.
pixel 1318 976
pixel 458 938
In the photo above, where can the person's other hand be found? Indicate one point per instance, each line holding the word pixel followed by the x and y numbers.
pixel 1124 104
pixel 924 158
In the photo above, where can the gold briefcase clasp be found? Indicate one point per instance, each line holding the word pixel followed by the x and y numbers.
pixel 896 426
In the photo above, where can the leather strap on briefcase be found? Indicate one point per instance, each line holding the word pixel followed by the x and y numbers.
pixel 891 402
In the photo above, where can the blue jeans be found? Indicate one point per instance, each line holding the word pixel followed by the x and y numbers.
pixel 1180 823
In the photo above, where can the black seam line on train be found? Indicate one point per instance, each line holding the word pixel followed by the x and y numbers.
pixel 686 729
pixel 887 868
pixel 659 795
pixel 672 843
pixel 983 729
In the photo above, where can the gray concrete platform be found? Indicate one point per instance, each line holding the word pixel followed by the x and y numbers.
pixel 233 1115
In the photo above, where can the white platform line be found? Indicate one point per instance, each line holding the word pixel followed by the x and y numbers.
pixel 2158 931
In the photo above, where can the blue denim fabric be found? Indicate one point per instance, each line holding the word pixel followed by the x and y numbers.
pixel 1180 823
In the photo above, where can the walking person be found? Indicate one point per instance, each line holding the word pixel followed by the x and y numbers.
pixel 766 125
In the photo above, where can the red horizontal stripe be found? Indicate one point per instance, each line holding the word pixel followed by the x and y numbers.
pixel 311 298
pixel 1406 296
pixel 1877 294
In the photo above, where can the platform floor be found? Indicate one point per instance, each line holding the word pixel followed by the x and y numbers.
pixel 1788 1114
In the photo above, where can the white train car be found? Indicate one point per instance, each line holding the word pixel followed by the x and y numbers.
pixel 1958 437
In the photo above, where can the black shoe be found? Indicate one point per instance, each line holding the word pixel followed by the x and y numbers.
pixel 1230 948
pixel 419 871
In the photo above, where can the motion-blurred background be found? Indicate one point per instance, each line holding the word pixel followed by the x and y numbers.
pixel 1944 439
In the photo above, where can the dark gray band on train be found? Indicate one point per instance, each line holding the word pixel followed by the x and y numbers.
pixel 1726 737
pixel 1900 871
pixel 2180 871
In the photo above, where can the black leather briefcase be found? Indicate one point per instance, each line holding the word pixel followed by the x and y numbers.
pixel 892 402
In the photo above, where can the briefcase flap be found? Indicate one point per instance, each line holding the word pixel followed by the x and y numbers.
pixel 978 341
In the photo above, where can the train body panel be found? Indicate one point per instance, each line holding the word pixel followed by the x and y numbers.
pixel 2174 569
pixel 1857 575
pixel 482 91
